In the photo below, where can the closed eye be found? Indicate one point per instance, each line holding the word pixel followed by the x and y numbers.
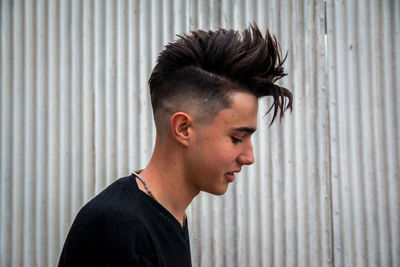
pixel 236 140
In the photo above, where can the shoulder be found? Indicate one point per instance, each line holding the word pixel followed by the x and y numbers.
pixel 115 206
pixel 123 191
pixel 108 227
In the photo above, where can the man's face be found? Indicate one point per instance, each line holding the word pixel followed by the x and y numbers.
pixel 220 148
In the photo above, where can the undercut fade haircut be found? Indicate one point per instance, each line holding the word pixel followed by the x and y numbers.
pixel 200 71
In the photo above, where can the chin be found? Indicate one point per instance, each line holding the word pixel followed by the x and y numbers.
pixel 217 191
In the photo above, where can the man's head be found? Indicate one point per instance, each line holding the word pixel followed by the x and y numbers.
pixel 198 74
pixel 204 91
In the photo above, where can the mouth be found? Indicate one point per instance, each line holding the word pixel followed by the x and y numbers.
pixel 230 176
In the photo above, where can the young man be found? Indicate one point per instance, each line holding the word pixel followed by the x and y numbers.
pixel 204 92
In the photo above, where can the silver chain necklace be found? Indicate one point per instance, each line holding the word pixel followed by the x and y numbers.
pixel 152 196
pixel 145 185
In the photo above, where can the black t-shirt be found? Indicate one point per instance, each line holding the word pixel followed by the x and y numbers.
pixel 123 226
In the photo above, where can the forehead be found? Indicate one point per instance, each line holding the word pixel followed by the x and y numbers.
pixel 241 114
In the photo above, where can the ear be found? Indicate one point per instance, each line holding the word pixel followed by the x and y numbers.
pixel 181 127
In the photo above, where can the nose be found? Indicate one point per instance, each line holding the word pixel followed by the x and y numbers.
pixel 247 156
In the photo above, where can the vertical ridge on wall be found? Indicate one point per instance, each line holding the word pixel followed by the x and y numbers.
pixel 29 76
pixel 53 131
pixel 394 109
pixel 109 92
pixel 100 20
pixel 133 84
pixel 87 100
pixel 372 133
pixel 41 46
pixel 17 140
pixel 120 86
pixel 76 103
pixel 388 168
pixel 6 133
pixel 144 54
pixel 65 210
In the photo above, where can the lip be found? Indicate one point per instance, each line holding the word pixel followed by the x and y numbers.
pixel 230 176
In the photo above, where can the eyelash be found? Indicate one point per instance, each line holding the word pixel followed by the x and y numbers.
pixel 236 140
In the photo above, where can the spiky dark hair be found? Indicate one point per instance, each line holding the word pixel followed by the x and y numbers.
pixel 208 64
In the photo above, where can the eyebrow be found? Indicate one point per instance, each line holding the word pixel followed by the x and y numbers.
pixel 245 129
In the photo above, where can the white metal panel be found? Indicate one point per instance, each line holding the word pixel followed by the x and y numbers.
pixel 75 115
pixel 363 65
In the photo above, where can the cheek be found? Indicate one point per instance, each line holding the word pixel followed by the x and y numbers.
pixel 213 151
pixel 223 153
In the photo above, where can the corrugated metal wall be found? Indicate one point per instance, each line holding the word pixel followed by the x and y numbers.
pixel 75 115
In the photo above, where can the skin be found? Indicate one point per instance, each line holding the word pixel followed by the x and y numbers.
pixel 194 157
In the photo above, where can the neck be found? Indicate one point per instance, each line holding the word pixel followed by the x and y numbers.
pixel 166 181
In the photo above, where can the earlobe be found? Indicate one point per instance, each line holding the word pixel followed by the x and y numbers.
pixel 181 126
